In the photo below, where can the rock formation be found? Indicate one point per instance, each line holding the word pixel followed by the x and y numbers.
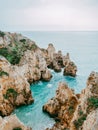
pixel 57 61
pixel 14 89
pixel 12 123
pixel 62 106
pixel 70 67
pixel 73 111
pixel 22 62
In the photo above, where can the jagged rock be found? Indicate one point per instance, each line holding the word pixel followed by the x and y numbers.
pixel 70 69
pixel 62 106
pixel 28 63
pixel 12 87
pixel 46 75
pixel 75 111
pixel 11 122
pixel 51 51
pixel 66 59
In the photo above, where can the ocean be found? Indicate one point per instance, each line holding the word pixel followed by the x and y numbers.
pixel 83 49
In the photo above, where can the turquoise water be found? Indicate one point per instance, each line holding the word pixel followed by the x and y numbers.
pixel 83 48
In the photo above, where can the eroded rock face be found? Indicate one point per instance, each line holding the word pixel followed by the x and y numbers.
pixel 56 61
pixel 70 69
pixel 62 106
pixel 28 63
pixel 46 75
pixel 74 111
pixel 14 89
pixel 11 122
pixel 87 102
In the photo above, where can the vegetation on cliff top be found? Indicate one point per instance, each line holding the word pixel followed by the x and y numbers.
pixel 18 128
pixel 2 34
pixel 10 92
pixel 14 51
pixel 92 103
pixel 3 73
pixel 78 123
pixel 12 56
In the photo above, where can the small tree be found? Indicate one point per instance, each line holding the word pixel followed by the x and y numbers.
pixel 2 34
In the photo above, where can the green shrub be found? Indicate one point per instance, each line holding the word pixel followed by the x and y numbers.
pixel 33 47
pixel 10 92
pixel 93 102
pixel 80 121
pixel 12 56
pixel 23 40
pixel 2 34
pixel 80 113
pixel 3 73
pixel 18 128
pixel 71 109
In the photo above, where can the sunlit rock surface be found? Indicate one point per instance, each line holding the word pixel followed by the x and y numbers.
pixel 73 111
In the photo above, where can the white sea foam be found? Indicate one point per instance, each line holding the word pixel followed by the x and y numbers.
pixel 49 86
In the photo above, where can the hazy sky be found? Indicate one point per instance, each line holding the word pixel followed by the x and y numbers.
pixel 48 15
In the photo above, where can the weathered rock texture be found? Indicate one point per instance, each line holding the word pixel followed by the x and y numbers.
pixel 12 122
pixel 73 111
pixel 57 61
pixel 62 106
pixel 14 89
pixel 23 62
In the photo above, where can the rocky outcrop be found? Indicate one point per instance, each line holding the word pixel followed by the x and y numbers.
pixel 73 111
pixel 70 67
pixel 14 89
pixel 56 61
pixel 12 123
pixel 62 106
pixel 22 62
pixel 87 103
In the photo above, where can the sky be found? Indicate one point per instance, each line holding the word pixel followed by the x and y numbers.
pixel 49 15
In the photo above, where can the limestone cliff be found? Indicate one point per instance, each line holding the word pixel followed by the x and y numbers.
pixel 14 89
pixel 22 62
pixel 73 111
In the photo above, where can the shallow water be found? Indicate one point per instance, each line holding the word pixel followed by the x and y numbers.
pixel 83 47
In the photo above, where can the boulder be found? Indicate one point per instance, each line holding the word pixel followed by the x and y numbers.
pixel 70 69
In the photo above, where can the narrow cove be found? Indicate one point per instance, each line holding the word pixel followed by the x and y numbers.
pixel 32 115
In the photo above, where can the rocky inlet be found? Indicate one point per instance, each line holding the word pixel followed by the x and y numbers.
pixel 22 62
pixel 75 111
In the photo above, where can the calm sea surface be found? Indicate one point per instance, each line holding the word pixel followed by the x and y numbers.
pixel 83 49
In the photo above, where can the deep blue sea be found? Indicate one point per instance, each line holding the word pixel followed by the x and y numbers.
pixel 83 49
